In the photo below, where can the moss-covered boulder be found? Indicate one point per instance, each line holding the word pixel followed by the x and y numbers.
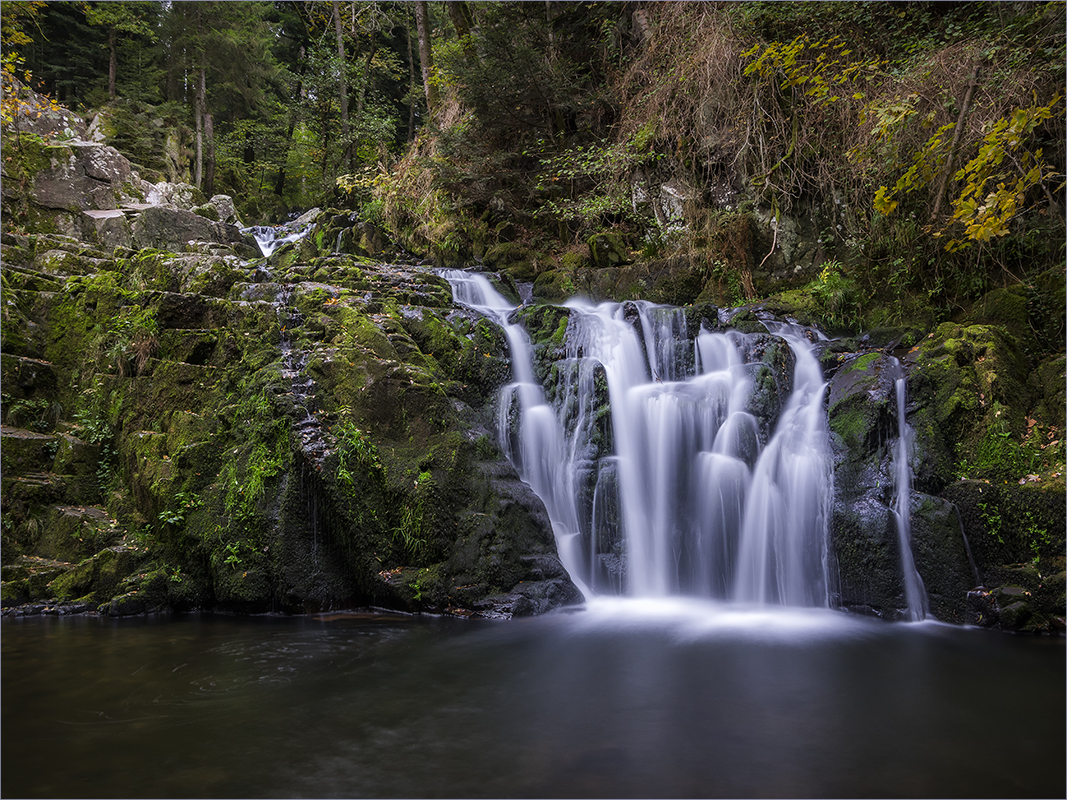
pixel 289 445
pixel 865 532
pixel 607 250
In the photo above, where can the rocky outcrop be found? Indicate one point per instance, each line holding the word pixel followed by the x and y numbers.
pixel 56 182
pixel 969 539
pixel 223 433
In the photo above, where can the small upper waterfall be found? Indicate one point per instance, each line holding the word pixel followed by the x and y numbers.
pixel 914 591
pixel 658 475
pixel 270 239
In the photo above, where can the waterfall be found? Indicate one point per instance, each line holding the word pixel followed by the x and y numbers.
pixel 914 591
pixel 269 240
pixel 651 461
pixel 539 453
pixel 784 555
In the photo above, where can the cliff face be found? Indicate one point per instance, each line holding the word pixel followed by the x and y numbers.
pixel 188 425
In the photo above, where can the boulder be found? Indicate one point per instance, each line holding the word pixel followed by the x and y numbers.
pixel 169 228
pixel 608 250
pixel 36 114
pixel 86 175
pixel 227 211
pixel 865 539
pixel 179 195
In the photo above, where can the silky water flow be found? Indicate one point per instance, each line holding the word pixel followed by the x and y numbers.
pixel 664 463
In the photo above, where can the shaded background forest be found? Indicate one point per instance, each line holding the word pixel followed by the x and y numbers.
pixel 917 146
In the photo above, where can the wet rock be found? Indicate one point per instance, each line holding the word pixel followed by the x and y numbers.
pixel 127 605
pixel 607 250
pixel 941 557
pixel 864 537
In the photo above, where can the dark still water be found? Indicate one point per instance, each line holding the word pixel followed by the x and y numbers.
pixel 624 699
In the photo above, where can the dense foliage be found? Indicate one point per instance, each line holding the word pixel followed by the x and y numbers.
pixel 257 84
pixel 918 145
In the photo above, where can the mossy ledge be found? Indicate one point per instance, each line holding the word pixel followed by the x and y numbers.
pixel 188 431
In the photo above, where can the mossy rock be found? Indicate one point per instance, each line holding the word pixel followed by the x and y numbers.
pixel 893 337
pixel 208 211
pixel 555 285
pixel 674 281
pixel 972 383
pixel 544 324
pixel 524 271
pixel 744 320
pixel 573 263
pixel 798 304
pixel 607 250
pixel 72 533
pixel 1009 523
pixel 98 578
pixel 1046 384
pixel 1007 308
pixel 505 254
pixel 701 315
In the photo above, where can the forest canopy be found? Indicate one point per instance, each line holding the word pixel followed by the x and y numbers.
pixel 926 138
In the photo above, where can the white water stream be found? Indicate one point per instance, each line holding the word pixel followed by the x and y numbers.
pixel 914 591
pixel 677 492
pixel 269 240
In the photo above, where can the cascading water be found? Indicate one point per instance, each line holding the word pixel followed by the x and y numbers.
pixel 914 591
pixel 538 454
pixel 270 239
pixel 652 464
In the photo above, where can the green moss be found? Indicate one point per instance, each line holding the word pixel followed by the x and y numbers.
pixel 505 254
pixel 360 333
pixel 207 211
pixel 851 423
pixel 796 303
pixel 553 285
pixel 1006 308
pixel 98 578
pixel 861 363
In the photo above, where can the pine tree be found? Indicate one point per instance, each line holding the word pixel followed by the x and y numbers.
pixel 117 18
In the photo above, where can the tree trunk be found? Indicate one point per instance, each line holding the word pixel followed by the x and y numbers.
pixel 200 110
pixel 209 146
pixel 422 22
pixel 551 35
pixel 113 65
pixel 362 98
pixel 462 20
pixel 950 161
pixel 344 83
pixel 411 89
pixel 279 185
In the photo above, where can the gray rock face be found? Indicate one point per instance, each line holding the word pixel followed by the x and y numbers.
pixel 37 115
pixel 226 210
pixel 168 228
pixel 179 195
pixel 86 175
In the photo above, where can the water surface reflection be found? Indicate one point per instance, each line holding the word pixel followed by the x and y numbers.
pixel 623 699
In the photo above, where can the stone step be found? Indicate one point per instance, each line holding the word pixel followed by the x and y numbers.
pixel 28 385
pixel 35 489
pixel 76 532
pixel 27 451
pixel 27 279
pixel 28 577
